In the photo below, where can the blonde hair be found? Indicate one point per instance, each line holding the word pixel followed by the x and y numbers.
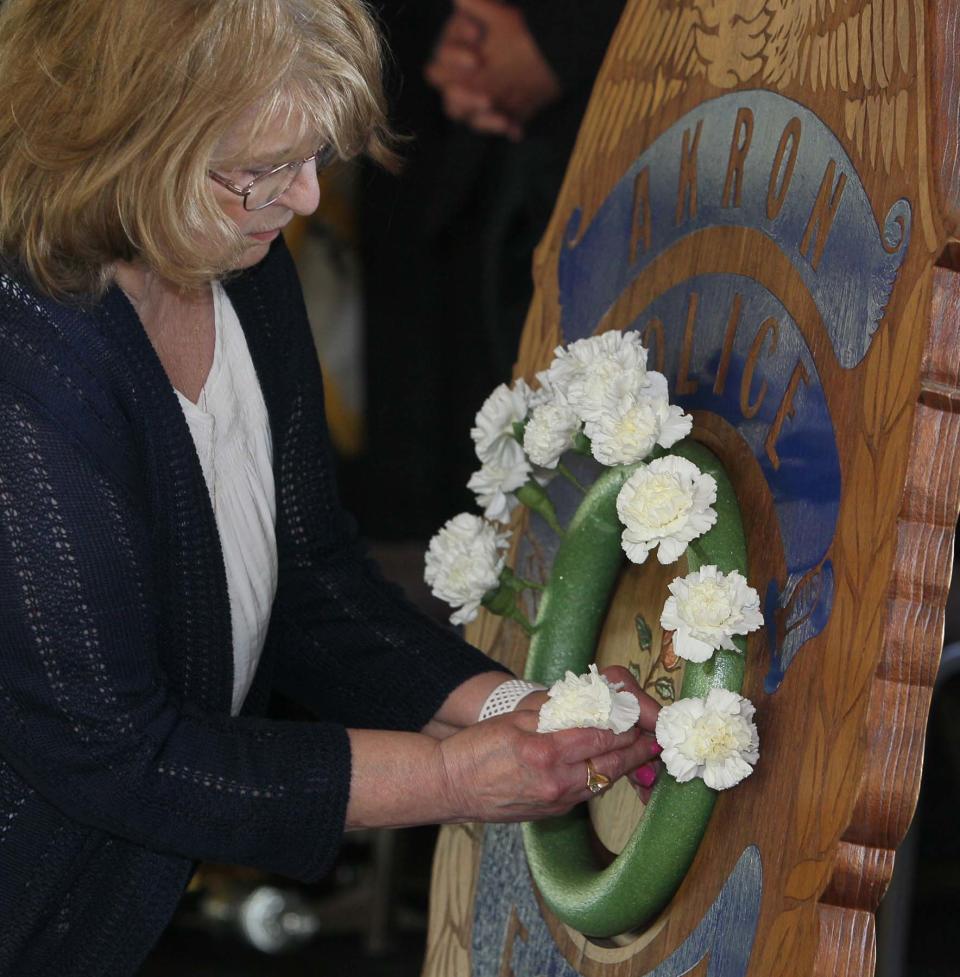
pixel 111 111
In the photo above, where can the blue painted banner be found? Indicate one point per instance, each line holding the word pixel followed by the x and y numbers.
pixel 507 924
pixel 758 161
pixel 747 362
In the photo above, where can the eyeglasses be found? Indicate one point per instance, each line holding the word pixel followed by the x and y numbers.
pixel 266 188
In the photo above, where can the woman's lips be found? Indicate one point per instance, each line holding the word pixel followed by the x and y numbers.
pixel 265 236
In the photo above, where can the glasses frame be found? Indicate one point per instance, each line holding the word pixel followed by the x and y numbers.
pixel 323 156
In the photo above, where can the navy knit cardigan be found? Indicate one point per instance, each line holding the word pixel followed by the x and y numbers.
pixel 120 764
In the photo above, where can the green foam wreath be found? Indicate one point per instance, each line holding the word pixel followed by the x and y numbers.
pixel 606 899
pixel 598 398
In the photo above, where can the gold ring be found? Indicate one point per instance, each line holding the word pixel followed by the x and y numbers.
pixel 597 783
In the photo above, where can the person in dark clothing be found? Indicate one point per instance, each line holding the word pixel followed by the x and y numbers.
pixel 449 244
pixel 172 547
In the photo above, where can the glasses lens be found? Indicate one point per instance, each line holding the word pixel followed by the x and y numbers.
pixel 270 186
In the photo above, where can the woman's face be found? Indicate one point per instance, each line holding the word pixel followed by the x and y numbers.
pixel 275 145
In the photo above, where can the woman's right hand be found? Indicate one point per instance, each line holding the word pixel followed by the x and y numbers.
pixel 499 770
pixel 504 770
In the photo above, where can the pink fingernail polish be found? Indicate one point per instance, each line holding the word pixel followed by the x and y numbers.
pixel 655 748
pixel 646 775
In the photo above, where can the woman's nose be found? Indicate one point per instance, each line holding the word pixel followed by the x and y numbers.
pixel 303 195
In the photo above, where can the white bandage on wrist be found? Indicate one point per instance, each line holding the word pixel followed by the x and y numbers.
pixel 504 697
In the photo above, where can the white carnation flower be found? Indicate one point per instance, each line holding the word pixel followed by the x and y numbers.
pixel 493 432
pixel 707 609
pixel 654 388
pixel 593 374
pixel 665 504
pixel 463 563
pixel 550 432
pixel 544 394
pixel 674 424
pixel 713 738
pixel 588 700
pixel 626 434
pixel 628 431
pixel 495 483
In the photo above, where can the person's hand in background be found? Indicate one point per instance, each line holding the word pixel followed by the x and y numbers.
pixel 489 70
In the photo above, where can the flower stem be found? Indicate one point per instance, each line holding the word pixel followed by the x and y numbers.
pixel 503 600
pixel 536 500
pixel 581 444
pixel 510 583
pixel 530 584
pixel 565 472
pixel 520 618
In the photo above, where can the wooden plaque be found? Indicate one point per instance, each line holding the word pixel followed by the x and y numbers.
pixel 763 189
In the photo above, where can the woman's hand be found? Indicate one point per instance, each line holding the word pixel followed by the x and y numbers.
pixel 644 777
pixel 550 770
pixel 499 770
pixel 504 770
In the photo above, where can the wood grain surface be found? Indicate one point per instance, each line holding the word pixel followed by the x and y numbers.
pixel 842 737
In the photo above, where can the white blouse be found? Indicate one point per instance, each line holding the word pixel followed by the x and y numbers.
pixel 231 431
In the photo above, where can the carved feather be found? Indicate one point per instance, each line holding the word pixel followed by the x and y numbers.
pixel 864 52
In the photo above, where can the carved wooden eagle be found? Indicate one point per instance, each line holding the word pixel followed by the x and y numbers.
pixel 865 53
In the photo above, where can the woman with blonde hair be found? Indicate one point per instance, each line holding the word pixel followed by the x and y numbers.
pixel 171 544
